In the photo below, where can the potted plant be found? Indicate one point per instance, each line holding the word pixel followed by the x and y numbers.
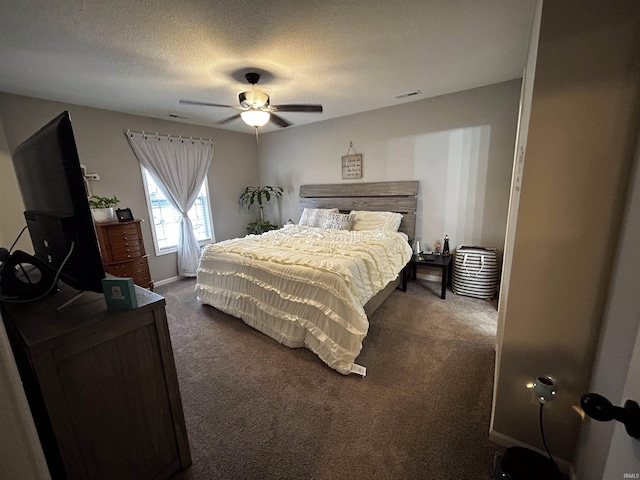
pixel 102 208
pixel 260 195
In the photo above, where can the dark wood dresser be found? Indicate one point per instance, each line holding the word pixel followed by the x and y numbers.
pixel 123 253
pixel 101 385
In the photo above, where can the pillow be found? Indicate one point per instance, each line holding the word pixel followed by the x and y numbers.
pixel 339 221
pixel 365 220
pixel 315 217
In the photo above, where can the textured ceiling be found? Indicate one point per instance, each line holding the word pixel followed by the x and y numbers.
pixel 350 56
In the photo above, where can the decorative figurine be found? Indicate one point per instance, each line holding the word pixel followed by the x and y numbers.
pixel 437 249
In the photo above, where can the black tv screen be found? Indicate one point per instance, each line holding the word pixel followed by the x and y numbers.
pixel 56 205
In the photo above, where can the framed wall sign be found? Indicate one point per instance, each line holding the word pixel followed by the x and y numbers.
pixel 352 166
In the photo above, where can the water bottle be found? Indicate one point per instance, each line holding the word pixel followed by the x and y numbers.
pixel 445 248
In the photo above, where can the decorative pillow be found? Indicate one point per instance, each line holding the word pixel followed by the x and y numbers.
pixel 339 221
pixel 365 220
pixel 315 217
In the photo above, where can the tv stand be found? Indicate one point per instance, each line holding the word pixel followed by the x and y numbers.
pixel 101 385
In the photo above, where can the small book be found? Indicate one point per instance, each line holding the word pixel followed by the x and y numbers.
pixel 119 293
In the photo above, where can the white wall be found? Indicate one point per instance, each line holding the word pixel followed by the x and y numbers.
pixel 616 372
pixel 11 219
pixel 104 149
pixel 459 146
pixel 624 451
pixel 20 452
pixel 581 141
pixel 516 185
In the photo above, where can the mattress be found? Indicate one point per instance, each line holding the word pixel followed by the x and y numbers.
pixel 304 286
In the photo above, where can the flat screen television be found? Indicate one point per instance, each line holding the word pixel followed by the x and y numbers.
pixel 57 209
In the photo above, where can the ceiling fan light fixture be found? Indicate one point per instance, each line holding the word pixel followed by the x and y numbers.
pixel 254 99
pixel 256 109
pixel 255 118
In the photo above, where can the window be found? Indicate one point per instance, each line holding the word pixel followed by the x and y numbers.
pixel 166 219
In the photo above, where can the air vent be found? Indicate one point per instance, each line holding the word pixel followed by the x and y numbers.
pixel 409 94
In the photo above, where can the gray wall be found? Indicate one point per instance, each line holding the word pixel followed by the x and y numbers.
pixel 604 448
pixel 619 353
pixel 459 146
pixel 104 149
pixel 583 129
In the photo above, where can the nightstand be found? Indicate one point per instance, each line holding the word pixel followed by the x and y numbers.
pixel 443 262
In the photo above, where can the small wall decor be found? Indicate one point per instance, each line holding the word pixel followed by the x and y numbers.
pixel 88 177
pixel 351 164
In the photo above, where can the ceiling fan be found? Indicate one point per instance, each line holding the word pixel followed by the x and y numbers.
pixel 255 108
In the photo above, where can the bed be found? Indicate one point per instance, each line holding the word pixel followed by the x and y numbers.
pixel 309 285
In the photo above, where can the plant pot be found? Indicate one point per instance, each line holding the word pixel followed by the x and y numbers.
pixel 102 215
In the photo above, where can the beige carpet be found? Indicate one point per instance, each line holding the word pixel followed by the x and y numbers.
pixel 255 409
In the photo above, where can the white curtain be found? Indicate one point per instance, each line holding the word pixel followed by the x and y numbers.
pixel 178 166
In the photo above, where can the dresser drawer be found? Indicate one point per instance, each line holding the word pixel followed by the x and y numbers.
pixel 126 242
pixel 120 253
pixel 136 269
pixel 125 234
pixel 123 229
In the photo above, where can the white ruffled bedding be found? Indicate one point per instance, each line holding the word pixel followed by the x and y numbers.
pixel 304 286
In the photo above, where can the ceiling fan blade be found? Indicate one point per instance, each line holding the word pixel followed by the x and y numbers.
pixel 297 108
pixel 227 120
pixel 206 104
pixel 278 120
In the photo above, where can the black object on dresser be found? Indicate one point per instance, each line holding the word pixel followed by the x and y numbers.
pixel 101 385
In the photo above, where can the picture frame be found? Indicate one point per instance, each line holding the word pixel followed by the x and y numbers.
pixel 124 214
pixel 352 166
pixel 119 293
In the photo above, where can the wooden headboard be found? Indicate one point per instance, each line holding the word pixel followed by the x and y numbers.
pixel 400 197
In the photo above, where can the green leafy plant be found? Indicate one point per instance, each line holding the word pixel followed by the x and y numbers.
pixel 260 226
pixel 103 202
pixel 260 195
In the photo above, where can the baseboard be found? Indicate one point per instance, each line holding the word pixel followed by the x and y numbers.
pixel 159 283
pixel 507 441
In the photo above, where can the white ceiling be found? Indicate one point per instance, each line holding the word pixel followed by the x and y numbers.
pixel 142 56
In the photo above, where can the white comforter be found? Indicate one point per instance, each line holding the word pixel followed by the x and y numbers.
pixel 304 286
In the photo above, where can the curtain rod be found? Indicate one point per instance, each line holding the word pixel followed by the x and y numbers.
pixel 192 140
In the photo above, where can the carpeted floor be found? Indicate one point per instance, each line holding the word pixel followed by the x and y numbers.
pixel 255 409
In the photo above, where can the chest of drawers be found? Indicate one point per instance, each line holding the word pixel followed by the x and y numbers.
pixel 123 253
pixel 102 386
